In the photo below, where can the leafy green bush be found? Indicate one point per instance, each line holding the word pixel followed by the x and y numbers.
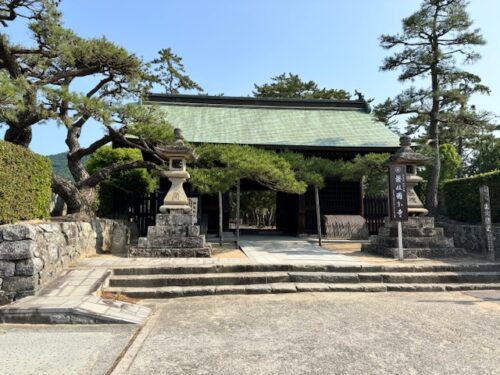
pixel 114 190
pixel 462 197
pixel 25 179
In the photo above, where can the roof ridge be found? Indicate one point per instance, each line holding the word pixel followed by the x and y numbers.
pixel 257 102
pixel 240 106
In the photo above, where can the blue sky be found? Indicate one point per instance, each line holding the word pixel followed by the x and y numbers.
pixel 228 45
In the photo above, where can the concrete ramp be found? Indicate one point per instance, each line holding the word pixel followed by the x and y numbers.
pixel 73 298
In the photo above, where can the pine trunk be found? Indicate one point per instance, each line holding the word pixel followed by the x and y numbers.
pixel 18 135
pixel 434 169
pixel 79 201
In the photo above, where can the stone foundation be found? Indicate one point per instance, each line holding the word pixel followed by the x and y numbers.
pixel 32 255
pixel 174 235
pixel 469 236
pixel 420 240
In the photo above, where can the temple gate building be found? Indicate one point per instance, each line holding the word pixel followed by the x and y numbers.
pixel 325 128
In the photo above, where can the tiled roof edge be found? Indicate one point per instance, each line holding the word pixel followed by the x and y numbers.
pixel 256 102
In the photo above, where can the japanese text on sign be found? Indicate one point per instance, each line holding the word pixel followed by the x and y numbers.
pixel 397 193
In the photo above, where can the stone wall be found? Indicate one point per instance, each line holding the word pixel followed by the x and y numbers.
pixel 33 254
pixel 469 236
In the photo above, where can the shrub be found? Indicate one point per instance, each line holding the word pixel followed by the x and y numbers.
pixel 462 197
pixel 25 179
pixel 114 191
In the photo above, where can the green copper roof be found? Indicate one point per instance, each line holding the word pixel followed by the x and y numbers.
pixel 278 125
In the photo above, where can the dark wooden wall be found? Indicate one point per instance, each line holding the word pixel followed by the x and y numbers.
pixel 296 214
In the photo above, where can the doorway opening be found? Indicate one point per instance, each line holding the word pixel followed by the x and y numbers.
pixel 257 211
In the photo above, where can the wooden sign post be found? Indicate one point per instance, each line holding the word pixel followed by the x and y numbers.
pixel 398 201
pixel 489 248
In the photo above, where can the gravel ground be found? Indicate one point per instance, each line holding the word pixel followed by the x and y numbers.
pixel 330 333
pixel 61 349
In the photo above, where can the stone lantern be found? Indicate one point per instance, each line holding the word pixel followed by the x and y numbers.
pixel 420 237
pixel 177 155
pixel 406 156
pixel 174 234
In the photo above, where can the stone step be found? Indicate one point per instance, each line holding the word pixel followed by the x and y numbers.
pixel 190 291
pixel 165 252
pixel 431 277
pixel 161 280
pixel 240 278
pixel 417 252
pixel 254 267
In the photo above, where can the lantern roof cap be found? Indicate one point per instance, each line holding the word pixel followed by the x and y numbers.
pixel 406 155
pixel 176 149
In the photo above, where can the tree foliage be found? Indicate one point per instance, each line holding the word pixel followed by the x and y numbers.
pixel 137 180
pixel 258 208
pixel 117 186
pixel 169 72
pixel 314 170
pixel 434 41
pixel 292 86
pixel 450 162
pixel 39 83
pixel 486 158
pixel 219 167
pixel 371 170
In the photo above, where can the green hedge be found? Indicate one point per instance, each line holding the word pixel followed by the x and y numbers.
pixel 25 177
pixel 462 197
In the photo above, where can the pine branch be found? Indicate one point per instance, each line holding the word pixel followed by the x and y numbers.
pixel 106 172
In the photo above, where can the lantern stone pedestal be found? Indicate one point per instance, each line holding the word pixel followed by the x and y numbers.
pixel 174 234
pixel 421 239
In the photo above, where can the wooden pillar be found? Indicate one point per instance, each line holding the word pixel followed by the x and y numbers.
pixel 362 195
pixel 221 229
pixel 318 214
pixel 238 214
pixel 301 214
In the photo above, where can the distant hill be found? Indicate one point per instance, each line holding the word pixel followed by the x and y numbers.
pixel 60 165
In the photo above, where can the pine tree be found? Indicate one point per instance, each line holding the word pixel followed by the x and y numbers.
pixel 435 40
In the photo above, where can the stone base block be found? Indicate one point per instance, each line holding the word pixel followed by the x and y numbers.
pixel 412 253
pixel 168 252
pixel 175 242
pixel 414 242
pixel 174 231
pixel 163 220
pixel 413 222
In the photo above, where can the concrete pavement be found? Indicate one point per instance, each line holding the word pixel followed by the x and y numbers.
pixel 393 333
pixel 310 333
pixel 282 249
pixel 61 349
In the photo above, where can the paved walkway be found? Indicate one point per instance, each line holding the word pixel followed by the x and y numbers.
pixel 311 333
pixel 282 249
pixel 73 298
